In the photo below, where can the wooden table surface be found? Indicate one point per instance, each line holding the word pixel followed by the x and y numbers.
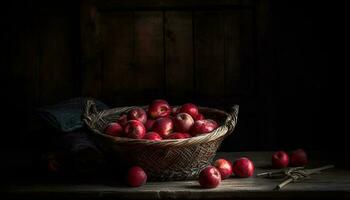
pixel 327 185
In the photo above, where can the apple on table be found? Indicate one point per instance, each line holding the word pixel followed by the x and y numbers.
pixel 280 159
pixel 224 166
pixel 243 167
pixel 209 177
pixel 136 176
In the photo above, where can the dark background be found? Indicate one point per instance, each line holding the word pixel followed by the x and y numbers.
pixel 273 58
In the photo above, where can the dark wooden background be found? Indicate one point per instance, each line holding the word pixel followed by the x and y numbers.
pixel 271 57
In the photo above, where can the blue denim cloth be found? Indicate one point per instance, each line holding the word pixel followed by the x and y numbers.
pixel 66 116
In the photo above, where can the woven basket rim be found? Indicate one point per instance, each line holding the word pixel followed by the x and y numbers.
pixel 223 130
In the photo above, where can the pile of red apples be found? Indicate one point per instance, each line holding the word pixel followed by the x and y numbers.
pixel 160 121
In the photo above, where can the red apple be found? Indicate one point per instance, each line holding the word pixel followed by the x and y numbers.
pixel 163 126
pixel 138 114
pixel 280 159
pixel 183 122
pixel 122 120
pixel 159 108
pixel 209 177
pixel 114 129
pixel 203 126
pixel 152 136
pixel 177 135
pixel 136 176
pixel 149 124
pixel 224 167
pixel 134 129
pixel 199 117
pixel 298 158
pixel 243 167
pixel 190 109
pixel 186 135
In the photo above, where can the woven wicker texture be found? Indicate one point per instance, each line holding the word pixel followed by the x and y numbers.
pixel 171 159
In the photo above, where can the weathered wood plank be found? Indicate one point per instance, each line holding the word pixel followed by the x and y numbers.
pixel 148 69
pixel 209 54
pixel 333 182
pixel 56 70
pixel 179 54
pixel 247 52
pixel 170 4
pixel 90 50
pixel 21 94
pixel 118 51
pixel 133 56
pixel 232 53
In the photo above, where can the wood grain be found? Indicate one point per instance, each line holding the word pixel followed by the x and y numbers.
pixel 56 71
pixel 148 70
pixel 179 54
pixel 133 56
pixel 90 51
pixel 170 4
pixel 209 54
pixel 232 53
pixel 330 183
pixel 118 51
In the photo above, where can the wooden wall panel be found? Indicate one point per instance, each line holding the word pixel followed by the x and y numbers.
pixel 148 77
pixel 209 54
pixel 248 52
pixel 179 55
pixel 57 80
pixel 90 59
pixel 20 88
pixel 118 50
pixel 232 53
pixel 133 58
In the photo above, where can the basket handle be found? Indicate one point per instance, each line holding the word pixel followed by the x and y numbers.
pixel 232 118
pixel 90 110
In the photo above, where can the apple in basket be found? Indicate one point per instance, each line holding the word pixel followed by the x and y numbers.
pixel 203 126
pixel 200 116
pixel 280 159
pixel 152 136
pixel 163 126
pixel 138 114
pixel 177 135
pixel 159 108
pixel 134 129
pixel 114 129
pixel 224 166
pixel 190 109
pixel 183 122
pixel 209 177
pixel 149 124
pixel 122 120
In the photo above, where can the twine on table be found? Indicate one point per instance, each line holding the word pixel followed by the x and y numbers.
pixel 293 175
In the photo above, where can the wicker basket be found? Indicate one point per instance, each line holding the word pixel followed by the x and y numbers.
pixel 173 159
